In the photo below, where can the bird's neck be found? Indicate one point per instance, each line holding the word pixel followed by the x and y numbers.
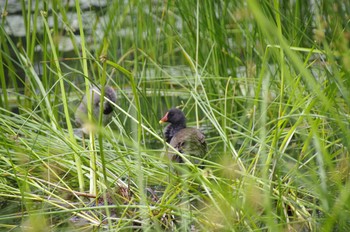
pixel 172 129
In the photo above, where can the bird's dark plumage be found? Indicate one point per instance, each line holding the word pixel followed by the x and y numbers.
pixel 190 141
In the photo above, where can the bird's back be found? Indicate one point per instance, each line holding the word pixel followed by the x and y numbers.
pixel 189 141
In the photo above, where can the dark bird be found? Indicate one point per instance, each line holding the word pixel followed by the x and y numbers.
pixel 81 115
pixel 189 141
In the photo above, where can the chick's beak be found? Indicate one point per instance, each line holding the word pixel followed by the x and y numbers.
pixel 164 119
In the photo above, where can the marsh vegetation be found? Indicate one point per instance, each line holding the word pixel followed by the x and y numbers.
pixel 266 81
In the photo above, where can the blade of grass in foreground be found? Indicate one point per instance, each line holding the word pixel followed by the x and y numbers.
pixel 64 101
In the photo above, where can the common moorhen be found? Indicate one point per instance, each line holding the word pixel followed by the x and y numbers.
pixel 190 141
pixel 81 115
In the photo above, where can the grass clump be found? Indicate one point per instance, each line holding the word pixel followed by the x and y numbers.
pixel 266 81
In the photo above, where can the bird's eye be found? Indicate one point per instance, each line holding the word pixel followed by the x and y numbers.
pixel 108 109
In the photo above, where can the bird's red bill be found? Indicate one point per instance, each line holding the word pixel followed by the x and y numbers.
pixel 165 118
